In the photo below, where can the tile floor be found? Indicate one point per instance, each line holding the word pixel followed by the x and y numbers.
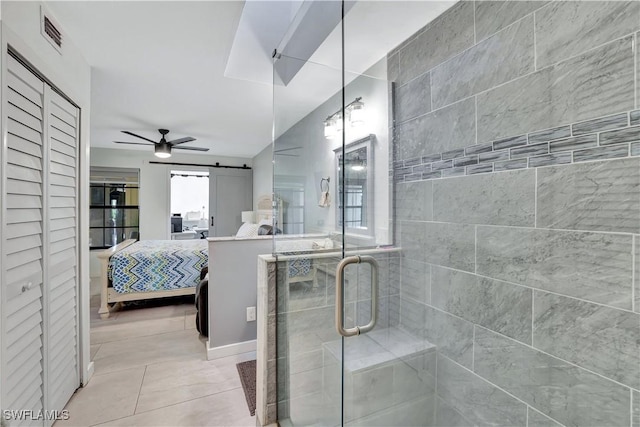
pixel 151 370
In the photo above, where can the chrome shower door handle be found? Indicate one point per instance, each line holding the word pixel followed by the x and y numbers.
pixel 357 330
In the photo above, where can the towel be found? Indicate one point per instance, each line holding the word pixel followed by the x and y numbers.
pixel 325 200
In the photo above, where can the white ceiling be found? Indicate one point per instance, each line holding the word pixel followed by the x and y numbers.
pixel 162 64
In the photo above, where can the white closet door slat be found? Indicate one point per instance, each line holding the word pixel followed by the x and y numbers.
pixel 23 243
pixel 25 228
pixel 23 103
pixel 23 187
pixel 24 201
pixel 24 146
pixel 58 235
pixel 24 89
pixel 25 118
pixel 61 180
pixel 62 202
pixel 25 273
pixel 18 216
pixel 61 169
pixel 59 147
pixel 63 115
pixel 21 173
pixel 19 158
pixel 17 128
pixel 62 158
pixel 62 137
pixel 62 223
pixel 62 126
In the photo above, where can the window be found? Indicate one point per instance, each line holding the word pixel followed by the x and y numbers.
pixel 114 212
pixel 190 201
pixel 357 161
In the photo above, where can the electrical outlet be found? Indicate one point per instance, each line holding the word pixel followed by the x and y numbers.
pixel 251 314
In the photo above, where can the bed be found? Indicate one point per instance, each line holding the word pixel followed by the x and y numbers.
pixel 138 270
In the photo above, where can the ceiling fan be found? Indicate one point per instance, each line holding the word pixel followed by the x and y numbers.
pixel 163 147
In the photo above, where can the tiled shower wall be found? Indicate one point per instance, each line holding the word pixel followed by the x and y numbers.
pixel 519 214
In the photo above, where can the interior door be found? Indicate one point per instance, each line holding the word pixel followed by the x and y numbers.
pixel 62 248
pixel 23 236
pixel 230 193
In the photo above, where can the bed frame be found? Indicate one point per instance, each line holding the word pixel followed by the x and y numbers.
pixel 108 295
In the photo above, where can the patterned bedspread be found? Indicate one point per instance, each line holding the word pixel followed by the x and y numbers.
pixel 153 265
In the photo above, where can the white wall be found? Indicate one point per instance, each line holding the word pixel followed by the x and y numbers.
pixel 262 174
pixel 70 72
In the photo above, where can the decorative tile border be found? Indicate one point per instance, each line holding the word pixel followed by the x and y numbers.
pixel 609 137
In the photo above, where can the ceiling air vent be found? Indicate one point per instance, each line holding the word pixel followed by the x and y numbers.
pixel 50 29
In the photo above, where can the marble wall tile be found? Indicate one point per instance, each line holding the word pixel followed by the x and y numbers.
pixel 550 160
pixel 444 37
pixel 442 130
pixel 591 266
pixel 412 317
pixel 568 28
pixel 635 417
pixel 620 136
pixel 412 240
pixel 496 199
pixel 601 339
pixel 499 306
pixel 414 98
pixel 600 124
pixel 479 401
pixel 591 196
pixel 536 419
pixel 601 153
pixel 447 416
pixel 550 134
pixel 500 58
pixel 637 273
pixel 577 142
pixel 562 391
pixel 393 67
pixel 492 16
pixel 413 201
pixel 453 336
pixel 594 84
pixel 510 165
pixel 415 280
pixel 449 245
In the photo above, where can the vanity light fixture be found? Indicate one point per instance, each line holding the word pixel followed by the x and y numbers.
pixel 355 116
pixel 358 165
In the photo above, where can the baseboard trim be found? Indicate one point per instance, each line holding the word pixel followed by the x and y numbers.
pixel 230 349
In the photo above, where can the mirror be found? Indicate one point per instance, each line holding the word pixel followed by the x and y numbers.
pixel 358 187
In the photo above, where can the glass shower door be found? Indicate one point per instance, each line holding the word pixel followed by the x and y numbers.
pixel 332 188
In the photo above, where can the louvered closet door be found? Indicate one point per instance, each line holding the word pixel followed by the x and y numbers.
pixel 62 277
pixel 22 293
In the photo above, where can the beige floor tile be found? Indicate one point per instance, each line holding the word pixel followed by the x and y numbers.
pixel 94 349
pixel 228 408
pixel 190 321
pixel 118 355
pixel 175 382
pixel 105 398
pixel 121 329
pixel 146 313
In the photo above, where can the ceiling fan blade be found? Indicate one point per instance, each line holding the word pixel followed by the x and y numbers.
pixel 138 136
pixel 181 140
pixel 191 148
pixel 133 143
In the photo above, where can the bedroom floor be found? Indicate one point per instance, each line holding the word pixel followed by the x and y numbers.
pixel 151 370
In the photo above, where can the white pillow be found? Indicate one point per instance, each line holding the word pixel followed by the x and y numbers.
pixel 265 221
pixel 248 230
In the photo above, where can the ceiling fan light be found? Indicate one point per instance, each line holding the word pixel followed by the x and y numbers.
pixel 163 150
